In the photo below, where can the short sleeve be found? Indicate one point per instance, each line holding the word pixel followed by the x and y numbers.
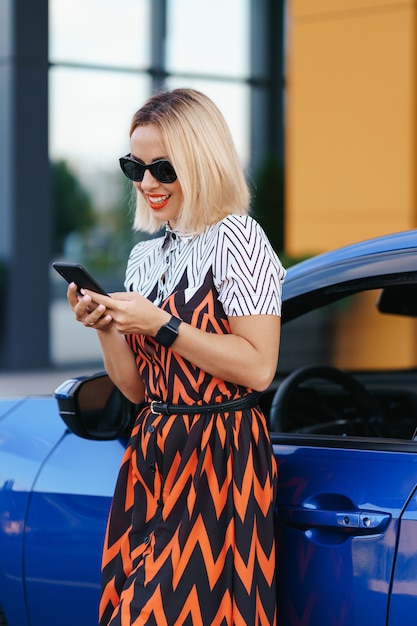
pixel 247 272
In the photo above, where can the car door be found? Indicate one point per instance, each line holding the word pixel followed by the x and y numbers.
pixel 346 531
pixel 65 529
pixel 347 497
pixel 402 607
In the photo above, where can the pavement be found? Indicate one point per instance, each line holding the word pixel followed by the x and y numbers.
pixel 39 382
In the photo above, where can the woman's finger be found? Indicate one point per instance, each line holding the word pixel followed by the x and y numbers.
pixel 96 317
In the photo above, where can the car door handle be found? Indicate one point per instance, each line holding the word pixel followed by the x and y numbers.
pixel 356 522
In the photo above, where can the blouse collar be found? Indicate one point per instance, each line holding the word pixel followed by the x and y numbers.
pixel 172 235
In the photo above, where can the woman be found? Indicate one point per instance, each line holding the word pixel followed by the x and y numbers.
pixel 190 537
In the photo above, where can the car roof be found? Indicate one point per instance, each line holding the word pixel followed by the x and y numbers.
pixel 364 265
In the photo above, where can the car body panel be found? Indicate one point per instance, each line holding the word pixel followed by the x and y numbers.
pixel 379 253
pixel 62 557
pixel 65 530
pixel 7 405
pixel 402 608
pixel 320 552
pixel 29 430
pixel 349 267
pixel 57 502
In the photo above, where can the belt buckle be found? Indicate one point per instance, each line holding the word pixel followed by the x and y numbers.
pixel 152 407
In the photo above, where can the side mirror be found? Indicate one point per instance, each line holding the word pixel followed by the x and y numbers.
pixel 93 408
pixel 398 300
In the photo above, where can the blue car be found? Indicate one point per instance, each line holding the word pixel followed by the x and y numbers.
pixel 343 419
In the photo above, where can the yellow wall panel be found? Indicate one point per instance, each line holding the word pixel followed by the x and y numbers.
pixel 396 342
pixel 351 107
pixel 310 8
pixel 360 229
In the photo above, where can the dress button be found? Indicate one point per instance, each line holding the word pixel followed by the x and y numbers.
pixel 146 539
pixel 151 429
pixel 152 467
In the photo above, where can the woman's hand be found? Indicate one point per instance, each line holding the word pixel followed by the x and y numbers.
pixel 129 312
pixel 87 311
pixel 119 359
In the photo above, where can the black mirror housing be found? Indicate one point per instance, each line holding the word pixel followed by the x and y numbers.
pixel 399 300
pixel 93 408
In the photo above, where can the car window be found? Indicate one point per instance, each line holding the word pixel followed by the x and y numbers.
pixel 372 349
pixel 351 334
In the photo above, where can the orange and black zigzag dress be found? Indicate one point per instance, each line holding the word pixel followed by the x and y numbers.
pixel 190 537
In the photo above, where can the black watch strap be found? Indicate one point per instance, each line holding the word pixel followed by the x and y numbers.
pixel 168 333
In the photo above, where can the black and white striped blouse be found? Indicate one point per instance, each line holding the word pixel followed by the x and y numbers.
pixel 246 272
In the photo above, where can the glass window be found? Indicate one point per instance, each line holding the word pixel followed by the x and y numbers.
pixel 208 37
pixel 90 115
pixel 101 72
pixel 350 334
pixel 100 32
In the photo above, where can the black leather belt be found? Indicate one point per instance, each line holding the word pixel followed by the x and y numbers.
pixel 244 402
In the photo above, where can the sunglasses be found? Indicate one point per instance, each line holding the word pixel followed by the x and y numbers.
pixel 161 170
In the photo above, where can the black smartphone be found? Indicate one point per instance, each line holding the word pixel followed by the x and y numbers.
pixel 76 273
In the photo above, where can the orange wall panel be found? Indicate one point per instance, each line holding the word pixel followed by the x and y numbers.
pixel 350 128
pixel 396 342
pixel 303 8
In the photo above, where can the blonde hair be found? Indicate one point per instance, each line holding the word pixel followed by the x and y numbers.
pixel 199 145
